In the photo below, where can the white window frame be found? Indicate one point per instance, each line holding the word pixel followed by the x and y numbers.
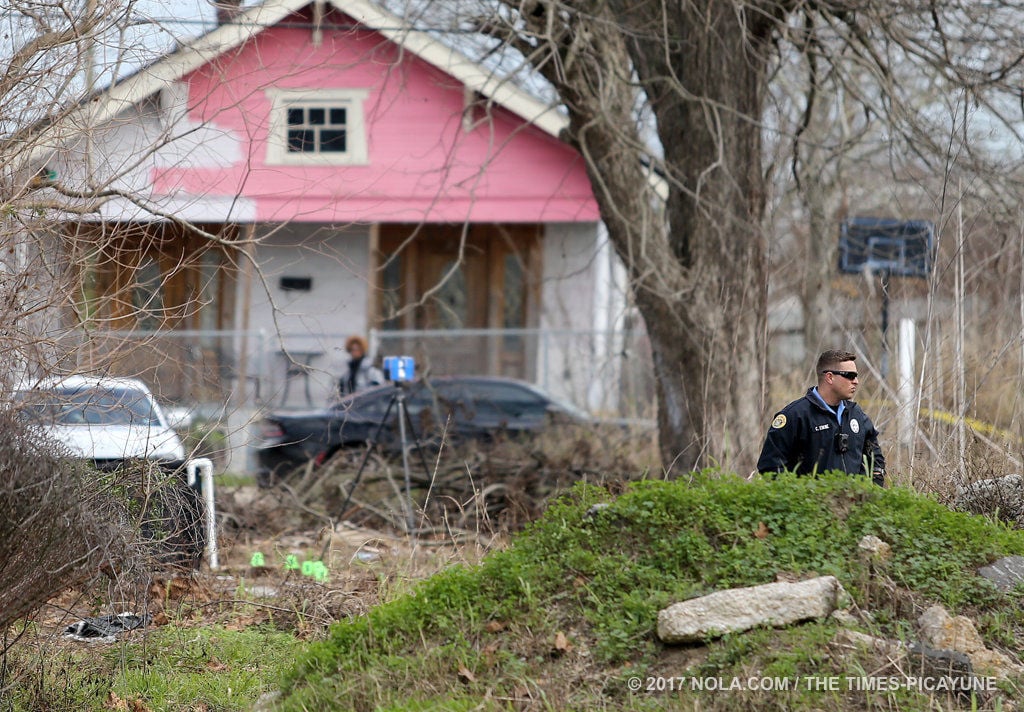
pixel 277 138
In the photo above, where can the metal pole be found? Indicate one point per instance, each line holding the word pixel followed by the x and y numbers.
pixel 410 523
pixel 885 323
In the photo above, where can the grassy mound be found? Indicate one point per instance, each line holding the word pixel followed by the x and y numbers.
pixel 566 616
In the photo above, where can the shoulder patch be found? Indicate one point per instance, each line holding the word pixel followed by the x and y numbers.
pixel 779 422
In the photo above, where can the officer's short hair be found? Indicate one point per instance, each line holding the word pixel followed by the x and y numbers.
pixel 832 358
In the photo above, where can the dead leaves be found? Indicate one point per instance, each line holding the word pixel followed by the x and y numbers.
pixel 179 588
pixel 511 640
pixel 562 644
pixel 120 704
pixel 244 622
pixel 215 665
pixel 466 675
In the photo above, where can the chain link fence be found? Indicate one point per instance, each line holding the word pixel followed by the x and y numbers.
pixel 606 373
pixel 226 379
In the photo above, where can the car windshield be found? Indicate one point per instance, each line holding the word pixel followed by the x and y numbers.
pixel 90 406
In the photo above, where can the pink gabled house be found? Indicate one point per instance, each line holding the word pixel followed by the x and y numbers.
pixel 310 170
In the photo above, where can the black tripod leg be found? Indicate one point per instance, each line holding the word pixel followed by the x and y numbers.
pixel 417 443
pixel 366 456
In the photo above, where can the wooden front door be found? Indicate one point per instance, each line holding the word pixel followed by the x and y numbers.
pixel 453 284
pixel 158 301
pixel 457 278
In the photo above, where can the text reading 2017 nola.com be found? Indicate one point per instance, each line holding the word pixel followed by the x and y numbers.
pixel 660 683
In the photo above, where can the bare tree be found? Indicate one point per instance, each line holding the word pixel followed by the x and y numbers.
pixel 62 521
pixel 698 72
pixel 667 103
pixel 696 260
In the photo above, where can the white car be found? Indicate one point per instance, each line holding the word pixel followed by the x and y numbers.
pixel 102 419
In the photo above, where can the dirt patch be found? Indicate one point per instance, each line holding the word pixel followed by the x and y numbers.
pixel 463 490
pixel 331 542
pixel 266 575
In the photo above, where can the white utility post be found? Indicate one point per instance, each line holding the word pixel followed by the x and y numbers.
pixel 906 413
pixel 202 467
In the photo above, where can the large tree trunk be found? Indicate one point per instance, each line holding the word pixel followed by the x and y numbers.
pixel 812 158
pixel 697 270
pixel 818 268
pixel 709 123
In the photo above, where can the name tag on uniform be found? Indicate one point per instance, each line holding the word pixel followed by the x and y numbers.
pixel 826 426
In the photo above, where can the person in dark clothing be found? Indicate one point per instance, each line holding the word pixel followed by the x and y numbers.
pixel 361 372
pixel 825 430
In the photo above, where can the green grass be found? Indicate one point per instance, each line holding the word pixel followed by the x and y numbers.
pixel 233 479
pixel 166 669
pixel 564 617
pixel 488 633
pixel 226 669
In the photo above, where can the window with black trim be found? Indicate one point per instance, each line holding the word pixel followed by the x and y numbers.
pixel 317 126
pixel 317 129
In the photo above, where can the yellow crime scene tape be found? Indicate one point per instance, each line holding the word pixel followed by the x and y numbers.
pixel 944 416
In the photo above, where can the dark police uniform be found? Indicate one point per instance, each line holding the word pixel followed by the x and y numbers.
pixel 806 437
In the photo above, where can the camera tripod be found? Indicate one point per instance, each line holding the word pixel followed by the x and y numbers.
pixel 406 431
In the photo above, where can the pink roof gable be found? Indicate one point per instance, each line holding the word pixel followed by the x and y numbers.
pixel 422 163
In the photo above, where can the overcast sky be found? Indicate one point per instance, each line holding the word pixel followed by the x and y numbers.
pixel 154 27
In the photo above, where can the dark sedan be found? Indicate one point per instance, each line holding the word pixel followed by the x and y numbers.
pixel 455 409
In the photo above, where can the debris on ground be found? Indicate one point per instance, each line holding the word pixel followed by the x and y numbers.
pixel 104 629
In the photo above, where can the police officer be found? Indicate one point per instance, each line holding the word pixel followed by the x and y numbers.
pixel 825 430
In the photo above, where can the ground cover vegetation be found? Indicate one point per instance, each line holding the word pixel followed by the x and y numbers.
pixel 559 613
pixel 564 617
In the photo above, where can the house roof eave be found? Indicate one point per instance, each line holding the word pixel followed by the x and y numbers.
pixel 107 104
pixel 473 75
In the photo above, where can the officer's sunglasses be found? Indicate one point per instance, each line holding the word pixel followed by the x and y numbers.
pixel 848 375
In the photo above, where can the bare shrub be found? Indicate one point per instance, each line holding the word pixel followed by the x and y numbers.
pixel 164 512
pixel 469 487
pixel 65 524
pixel 59 526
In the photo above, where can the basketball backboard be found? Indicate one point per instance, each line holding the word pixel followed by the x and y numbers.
pixel 897 247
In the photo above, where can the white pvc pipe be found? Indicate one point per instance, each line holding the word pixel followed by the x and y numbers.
pixel 205 467
pixel 905 385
